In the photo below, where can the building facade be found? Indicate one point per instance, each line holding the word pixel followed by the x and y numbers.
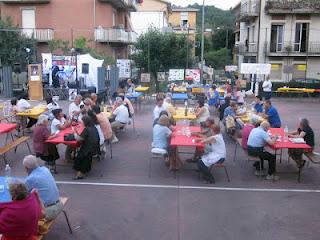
pixel 151 13
pixel 105 23
pixel 282 33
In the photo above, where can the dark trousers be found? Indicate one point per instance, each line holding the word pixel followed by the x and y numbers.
pixel 205 171
pixel 267 95
pixel 83 163
pixel 31 122
pixel 263 155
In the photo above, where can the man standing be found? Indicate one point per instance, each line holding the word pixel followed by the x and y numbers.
pixel 76 108
pixel 267 88
pixel 258 138
pixel 121 115
pixel 271 114
pixel 41 179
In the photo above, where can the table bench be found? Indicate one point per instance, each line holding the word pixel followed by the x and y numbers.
pixel 13 145
pixel 48 225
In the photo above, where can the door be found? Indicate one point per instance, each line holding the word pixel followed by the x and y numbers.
pixel 28 22
pixel 276 44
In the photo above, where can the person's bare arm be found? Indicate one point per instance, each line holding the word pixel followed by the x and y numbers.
pixel 199 112
pixel 297 135
pixel 273 140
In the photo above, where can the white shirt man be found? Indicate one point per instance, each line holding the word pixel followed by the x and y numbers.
pixel 55 123
pixel 75 108
pixel 157 110
pixel 122 114
pixel 23 105
pixel 267 86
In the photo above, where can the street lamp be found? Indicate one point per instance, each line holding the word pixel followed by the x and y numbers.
pixel 75 53
pixel 202 41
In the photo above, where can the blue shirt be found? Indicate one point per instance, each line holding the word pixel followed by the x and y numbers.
pixel 258 137
pixel 160 136
pixel 42 180
pixel 273 117
pixel 258 107
pixel 229 111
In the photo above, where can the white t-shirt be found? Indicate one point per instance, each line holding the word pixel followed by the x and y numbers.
pixel 157 110
pixel 240 97
pixel 267 86
pixel 218 151
pixel 122 114
pixel 54 124
pixel 22 105
pixel 75 108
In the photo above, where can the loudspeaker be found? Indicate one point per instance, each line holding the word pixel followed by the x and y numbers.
pixel 85 68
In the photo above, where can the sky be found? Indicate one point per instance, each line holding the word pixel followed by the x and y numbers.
pixel 223 4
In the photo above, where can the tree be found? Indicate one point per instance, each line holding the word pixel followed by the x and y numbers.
pixel 218 59
pixel 14 44
pixel 156 51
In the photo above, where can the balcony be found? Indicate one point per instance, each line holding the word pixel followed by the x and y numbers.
pixel 39 34
pixel 249 10
pixel 292 6
pixel 130 5
pixel 292 49
pixel 249 49
pixel 115 36
pixel 25 1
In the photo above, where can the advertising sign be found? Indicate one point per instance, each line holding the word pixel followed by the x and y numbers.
pixel 124 66
pixel 193 75
pixel 176 75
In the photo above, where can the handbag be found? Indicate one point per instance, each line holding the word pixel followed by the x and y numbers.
pixel 69 137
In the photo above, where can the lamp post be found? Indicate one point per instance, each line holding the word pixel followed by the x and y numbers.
pixel 74 53
pixel 202 41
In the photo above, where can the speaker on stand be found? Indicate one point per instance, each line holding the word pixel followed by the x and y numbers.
pixel 85 71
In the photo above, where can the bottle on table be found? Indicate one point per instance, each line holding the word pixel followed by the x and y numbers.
pixel 7 174
pixel 286 133
pixel 186 108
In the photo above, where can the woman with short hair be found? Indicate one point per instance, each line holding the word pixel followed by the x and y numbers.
pixel 202 112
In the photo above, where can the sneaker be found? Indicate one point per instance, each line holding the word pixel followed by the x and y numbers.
pixel 272 177
pixel 260 173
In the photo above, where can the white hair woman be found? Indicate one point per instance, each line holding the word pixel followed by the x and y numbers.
pixel 46 151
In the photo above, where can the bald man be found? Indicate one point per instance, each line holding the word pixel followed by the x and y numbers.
pixel 257 140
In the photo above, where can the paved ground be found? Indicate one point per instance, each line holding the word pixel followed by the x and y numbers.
pixel 125 198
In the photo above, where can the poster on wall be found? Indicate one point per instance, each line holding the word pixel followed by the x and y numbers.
pixel 145 77
pixel 193 75
pixel 231 68
pixel 35 72
pixel 176 75
pixel 161 76
pixel 124 66
pixel 63 68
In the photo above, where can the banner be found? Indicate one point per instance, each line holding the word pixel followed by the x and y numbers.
pixel 145 77
pixel 176 75
pixel 193 75
pixel 231 68
pixel 161 76
pixel 255 68
pixel 124 66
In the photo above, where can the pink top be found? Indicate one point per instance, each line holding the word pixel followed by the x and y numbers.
pixel 40 135
pixel 245 135
pixel 105 125
pixel 19 219
pixel 127 102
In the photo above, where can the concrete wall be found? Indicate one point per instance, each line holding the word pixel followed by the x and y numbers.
pixel 175 19
pixel 143 20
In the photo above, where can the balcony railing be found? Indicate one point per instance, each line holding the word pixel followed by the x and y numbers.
pixel 292 6
pixel 249 9
pixel 294 49
pixel 246 49
pixel 123 4
pixel 25 1
pixel 115 35
pixel 39 34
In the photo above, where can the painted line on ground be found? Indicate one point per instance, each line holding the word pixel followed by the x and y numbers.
pixel 189 187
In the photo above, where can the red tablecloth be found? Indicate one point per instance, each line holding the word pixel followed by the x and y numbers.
pixel 60 138
pixel 7 127
pixel 177 139
pixel 287 144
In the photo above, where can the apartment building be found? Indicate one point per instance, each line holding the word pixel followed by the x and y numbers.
pixel 151 13
pixel 281 32
pixel 105 22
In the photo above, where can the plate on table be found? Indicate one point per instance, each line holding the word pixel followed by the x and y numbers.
pixel 297 140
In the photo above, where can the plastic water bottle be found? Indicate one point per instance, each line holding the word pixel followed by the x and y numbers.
pixel 7 174
pixel 286 132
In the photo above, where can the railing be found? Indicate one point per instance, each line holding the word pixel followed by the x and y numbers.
pixel 26 1
pixel 292 6
pixel 41 35
pixel 130 4
pixel 249 9
pixel 114 35
pixel 289 48
pixel 246 49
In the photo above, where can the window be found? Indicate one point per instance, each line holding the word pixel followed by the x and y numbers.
pixel 299 71
pixel 252 32
pixel 276 71
pixel 301 37
pixel 184 19
pixel 114 17
pixel 276 43
pixel 28 21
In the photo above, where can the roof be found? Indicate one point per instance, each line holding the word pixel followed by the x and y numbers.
pixel 180 9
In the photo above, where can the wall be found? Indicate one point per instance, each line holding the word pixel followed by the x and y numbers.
pixel 175 19
pixel 143 20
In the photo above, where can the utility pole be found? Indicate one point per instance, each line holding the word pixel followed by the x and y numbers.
pixel 187 65
pixel 202 41
pixel 227 38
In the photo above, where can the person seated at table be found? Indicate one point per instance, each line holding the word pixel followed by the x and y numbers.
pixel 271 113
pixel 214 152
pixel 158 108
pixel 103 122
pixel 59 123
pixel 213 96
pixel 131 87
pixel 40 178
pixel 164 113
pixel 228 88
pixel 46 151
pixel 230 119
pixel 76 108
pixel 128 104
pixel 258 106
pixel 89 139
pixel 247 128
pixel 51 105
pixel 94 99
pixel 258 139
pixel 240 96
pixel 167 104
pixel 121 118
pixel 19 218
pixel 201 111
pixel 306 132
pixel 223 107
pixel 161 134
pixel 95 121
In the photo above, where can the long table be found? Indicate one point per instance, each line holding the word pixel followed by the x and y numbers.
pixel 180 114
pixel 34 112
pixel 60 136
